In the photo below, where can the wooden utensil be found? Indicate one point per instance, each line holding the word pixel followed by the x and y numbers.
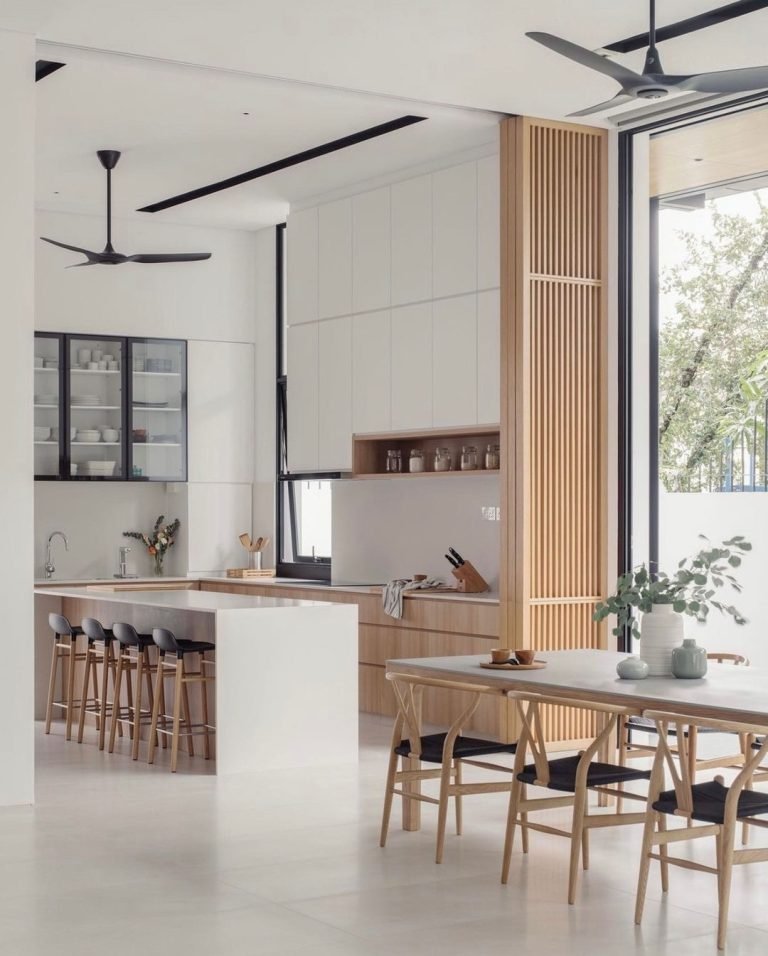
pixel 245 540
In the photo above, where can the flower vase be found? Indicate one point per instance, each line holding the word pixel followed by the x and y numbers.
pixel 158 559
pixel 661 631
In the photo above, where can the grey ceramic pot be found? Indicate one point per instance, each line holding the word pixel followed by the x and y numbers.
pixel 689 661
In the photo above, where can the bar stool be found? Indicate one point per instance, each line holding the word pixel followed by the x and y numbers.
pixel 99 651
pixel 168 643
pixel 64 645
pixel 127 638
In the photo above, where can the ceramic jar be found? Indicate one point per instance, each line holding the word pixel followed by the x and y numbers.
pixel 632 668
pixel 689 661
pixel 661 631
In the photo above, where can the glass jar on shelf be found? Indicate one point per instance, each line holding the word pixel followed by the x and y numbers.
pixel 416 461
pixel 492 457
pixel 468 457
pixel 443 460
pixel 394 461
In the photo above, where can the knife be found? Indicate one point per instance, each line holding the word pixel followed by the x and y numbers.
pixel 456 555
pixel 451 560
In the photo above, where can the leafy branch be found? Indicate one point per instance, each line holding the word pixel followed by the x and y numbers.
pixel 692 589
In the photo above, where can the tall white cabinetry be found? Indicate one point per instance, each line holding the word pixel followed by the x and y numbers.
pixel 393 312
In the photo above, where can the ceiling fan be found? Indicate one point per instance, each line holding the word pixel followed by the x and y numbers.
pixel 653 82
pixel 108 159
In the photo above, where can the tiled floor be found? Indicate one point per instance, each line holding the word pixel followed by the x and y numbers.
pixel 121 858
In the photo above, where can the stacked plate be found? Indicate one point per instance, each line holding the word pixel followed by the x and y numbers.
pixel 85 399
pixel 88 435
pixel 49 399
pixel 97 469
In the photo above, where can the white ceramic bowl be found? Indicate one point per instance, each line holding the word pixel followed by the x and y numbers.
pixel 109 434
pixel 42 433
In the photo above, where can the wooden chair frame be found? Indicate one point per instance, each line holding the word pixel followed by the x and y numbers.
pixel 408 692
pixel 678 764
pixel 629 750
pixel 177 669
pixel 520 805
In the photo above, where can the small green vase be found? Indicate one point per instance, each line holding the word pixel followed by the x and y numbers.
pixel 158 559
pixel 689 661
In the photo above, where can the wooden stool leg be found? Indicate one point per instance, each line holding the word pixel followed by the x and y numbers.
pixel 129 694
pixel 52 684
pixel 71 684
pixel 187 717
pixel 150 691
pixel 442 810
pixel 178 685
pixel 84 695
pixel 524 820
pixel 163 711
pixel 388 796
pixel 115 706
pixel 136 725
pixel 204 692
pixel 95 675
pixel 458 799
pixel 156 710
pixel 577 835
pixel 106 666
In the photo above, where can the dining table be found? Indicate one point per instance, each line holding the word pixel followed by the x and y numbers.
pixel 726 692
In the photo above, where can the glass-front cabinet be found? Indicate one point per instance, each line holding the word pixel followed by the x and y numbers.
pixel 158 409
pixel 49 405
pixel 110 408
pixel 96 407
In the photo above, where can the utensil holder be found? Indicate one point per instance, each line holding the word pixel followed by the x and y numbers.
pixel 470 581
pixel 254 560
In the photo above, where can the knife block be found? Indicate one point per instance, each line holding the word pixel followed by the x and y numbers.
pixel 470 581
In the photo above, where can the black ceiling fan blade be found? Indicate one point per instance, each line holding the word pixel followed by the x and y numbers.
pixel 727 81
pixel 92 256
pixel 168 257
pixel 593 61
pixel 88 262
pixel 617 100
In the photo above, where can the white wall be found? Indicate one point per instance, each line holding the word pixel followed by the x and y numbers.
pixel 394 528
pixel 682 517
pixel 212 304
pixel 17 163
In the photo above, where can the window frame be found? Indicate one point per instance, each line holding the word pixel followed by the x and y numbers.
pixel 299 565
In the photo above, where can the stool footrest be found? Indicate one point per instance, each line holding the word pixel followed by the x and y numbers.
pixel 204 729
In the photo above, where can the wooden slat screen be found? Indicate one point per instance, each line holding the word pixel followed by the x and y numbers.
pixel 554 196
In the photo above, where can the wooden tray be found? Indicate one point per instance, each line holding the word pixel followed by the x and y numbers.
pixel 250 573
pixel 537 665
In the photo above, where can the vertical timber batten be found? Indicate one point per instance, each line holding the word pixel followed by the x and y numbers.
pixel 554 217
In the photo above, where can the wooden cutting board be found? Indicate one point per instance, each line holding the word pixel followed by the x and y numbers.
pixel 537 665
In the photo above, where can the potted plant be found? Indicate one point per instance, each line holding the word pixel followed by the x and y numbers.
pixel 158 541
pixel 663 599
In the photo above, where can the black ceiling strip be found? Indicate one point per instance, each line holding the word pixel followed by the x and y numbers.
pixel 44 68
pixel 371 133
pixel 719 15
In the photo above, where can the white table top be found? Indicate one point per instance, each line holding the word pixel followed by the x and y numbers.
pixel 727 692
pixel 204 602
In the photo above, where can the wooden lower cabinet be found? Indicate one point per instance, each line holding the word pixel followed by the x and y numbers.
pixel 428 628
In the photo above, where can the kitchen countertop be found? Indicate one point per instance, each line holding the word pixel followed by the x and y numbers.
pixel 206 602
pixel 488 597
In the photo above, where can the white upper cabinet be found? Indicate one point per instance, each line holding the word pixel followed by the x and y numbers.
pixel 371 372
pixel 371 273
pixel 335 258
pixel 302 397
pixel 454 350
pixel 488 358
pixel 454 230
pixel 302 256
pixel 220 399
pixel 412 366
pixel 412 240
pixel 334 396
pixel 488 223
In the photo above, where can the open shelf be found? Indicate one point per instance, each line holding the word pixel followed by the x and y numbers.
pixel 370 451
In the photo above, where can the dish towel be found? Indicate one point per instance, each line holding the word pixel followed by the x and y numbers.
pixel 392 596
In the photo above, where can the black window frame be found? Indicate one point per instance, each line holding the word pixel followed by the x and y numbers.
pixel 286 521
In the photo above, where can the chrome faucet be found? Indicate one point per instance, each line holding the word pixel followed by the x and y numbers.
pixel 123 571
pixel 49 565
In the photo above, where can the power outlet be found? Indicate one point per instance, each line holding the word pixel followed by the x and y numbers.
pixel 490 513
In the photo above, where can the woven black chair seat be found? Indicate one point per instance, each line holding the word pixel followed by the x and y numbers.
pixel 647 726
pixel 709 802
pixel 562 774
pixel 432 748
pixel 194 647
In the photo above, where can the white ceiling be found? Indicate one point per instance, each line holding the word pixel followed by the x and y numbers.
pixel 182 130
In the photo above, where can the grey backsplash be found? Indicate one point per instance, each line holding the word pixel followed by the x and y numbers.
pixel 398 527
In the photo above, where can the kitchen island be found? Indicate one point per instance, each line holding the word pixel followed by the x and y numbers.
pixel 286 670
